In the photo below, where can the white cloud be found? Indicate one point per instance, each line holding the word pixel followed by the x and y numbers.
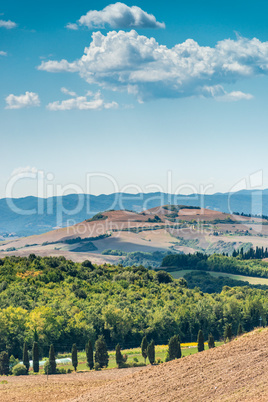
pixel 73 27
pixel 235 96
pixel 82 102
pixel 29 99
pixel 2 53
pixel 117 16
pixel 126 61
pixel 7 24
pixel 67 92
pixel 58 67
pixel 217 92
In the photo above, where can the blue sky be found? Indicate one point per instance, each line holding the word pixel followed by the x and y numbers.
pixel 132 109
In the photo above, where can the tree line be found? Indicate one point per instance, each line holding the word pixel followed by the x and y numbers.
pixel 100 358
pixel 68 303
pixel 240 263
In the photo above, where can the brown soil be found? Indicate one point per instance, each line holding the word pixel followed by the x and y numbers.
pixel 233 372
pixel 57 388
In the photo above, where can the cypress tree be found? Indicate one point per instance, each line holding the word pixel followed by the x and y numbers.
pixel 25 357
pixel 211 343
pixel 174 348
pixel 118 356
pixel 228 332
pixel 144 346
pixel 151 352
pixel 89 353
pixel 239 330
pixel 101 353
pixel 200 341
pixel 52 360
pixel 74 356
pixel 4 363
pixel 35 353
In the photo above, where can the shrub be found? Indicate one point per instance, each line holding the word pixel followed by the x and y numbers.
pixel 61 370
pixel 13 362
pixel 97 366
pixel 47 368
pixel 19 369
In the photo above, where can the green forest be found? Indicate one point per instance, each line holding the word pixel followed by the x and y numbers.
pixel 217 263
pixel 66 302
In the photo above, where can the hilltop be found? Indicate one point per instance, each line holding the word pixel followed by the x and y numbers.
pixel 110 236
pixel 31 215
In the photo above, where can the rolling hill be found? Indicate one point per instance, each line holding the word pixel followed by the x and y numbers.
pixel 32 215
pixel 232 372
pixel 112 236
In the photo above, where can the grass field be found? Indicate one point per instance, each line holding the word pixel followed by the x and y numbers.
pixel 252 280
pixel 160 353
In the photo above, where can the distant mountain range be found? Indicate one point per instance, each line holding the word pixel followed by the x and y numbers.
pixel 32 215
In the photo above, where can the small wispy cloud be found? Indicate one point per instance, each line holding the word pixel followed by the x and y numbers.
pixel 29 99
pixel 2 53
pixel 90 101
pixel 234 96
pixel 73 27
pixel 8 24
pixel 67 92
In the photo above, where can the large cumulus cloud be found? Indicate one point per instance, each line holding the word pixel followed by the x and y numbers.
pixel 127 61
